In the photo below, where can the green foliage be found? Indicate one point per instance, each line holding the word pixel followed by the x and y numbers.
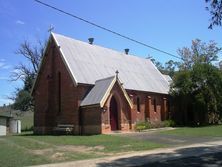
pixel 23 100
pixel 168 68
pixel 215 9
pixel 199 90
pixel 199 52
pixel 169 123
pixel 197 86
pixel 27 120
pixel 142 126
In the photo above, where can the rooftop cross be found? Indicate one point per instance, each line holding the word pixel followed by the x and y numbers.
pixel 50 28
pixel 117 73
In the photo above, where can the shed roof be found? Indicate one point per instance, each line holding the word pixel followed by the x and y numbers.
pixel 100 92
pixel 88 63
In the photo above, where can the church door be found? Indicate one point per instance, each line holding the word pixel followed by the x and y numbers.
pixel 113 114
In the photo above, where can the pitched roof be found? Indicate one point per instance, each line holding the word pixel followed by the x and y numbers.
pixel 88 63
pixel 100 92
pixel 168 78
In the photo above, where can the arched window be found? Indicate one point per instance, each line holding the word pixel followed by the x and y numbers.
pixel 154 104
pixel 59 92
pixel 138 104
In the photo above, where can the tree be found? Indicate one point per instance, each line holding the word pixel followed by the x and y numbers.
pixel 197 85
pixel 168 68
pixel 200 52
pixel 22 99
pixel 199 90
pixel 215 9
pixel 34 55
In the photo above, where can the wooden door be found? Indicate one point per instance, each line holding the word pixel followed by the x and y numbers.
pixel 113 114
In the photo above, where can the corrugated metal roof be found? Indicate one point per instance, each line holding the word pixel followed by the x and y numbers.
pixel 97 93
pixel 88 63
pixel 168 78
pixel 101 91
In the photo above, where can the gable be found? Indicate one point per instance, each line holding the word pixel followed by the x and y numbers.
pixel 89 63
pixel 100 92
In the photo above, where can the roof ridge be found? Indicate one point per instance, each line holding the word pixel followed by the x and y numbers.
pixel 103 47
pixel 103 79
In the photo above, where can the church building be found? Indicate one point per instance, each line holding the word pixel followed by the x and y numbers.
pixel 96 90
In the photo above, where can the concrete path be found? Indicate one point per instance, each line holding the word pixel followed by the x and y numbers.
pixel 157 157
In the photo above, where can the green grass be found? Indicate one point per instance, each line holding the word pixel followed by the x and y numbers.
pixel 22 150
pixel 208 131
pixel 27 120
pixel 110 143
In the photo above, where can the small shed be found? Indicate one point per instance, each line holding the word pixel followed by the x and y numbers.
pixel 4 123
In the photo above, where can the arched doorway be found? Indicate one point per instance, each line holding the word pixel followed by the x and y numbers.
pixel 113 114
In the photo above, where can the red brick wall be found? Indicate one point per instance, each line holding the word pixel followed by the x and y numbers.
pixel 147 111
pixel 91 120
pixel 46 95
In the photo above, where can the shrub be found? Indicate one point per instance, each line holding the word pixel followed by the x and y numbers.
pixel 142 126
pixel 169 123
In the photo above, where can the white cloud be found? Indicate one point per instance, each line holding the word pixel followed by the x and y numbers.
pixel 20 22
pixel 6 67
pixel 2 64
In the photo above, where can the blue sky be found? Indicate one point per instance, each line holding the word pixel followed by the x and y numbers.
pixel 167 25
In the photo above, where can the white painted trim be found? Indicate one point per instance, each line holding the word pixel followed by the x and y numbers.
pixel 102 102
pixel 125 94
pixel 65 61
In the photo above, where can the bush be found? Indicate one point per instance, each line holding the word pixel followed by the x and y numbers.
pixel 169 123
pixel 149 125
pixel 142 126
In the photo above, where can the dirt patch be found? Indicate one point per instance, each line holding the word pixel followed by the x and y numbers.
pixel 71 148
pixel 125 146
pixel 57 156
pixel 42 151
pixel 98 148
pixel 60 152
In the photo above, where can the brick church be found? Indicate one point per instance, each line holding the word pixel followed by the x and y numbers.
pixel 95 89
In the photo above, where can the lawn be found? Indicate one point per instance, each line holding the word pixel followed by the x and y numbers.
pixel 26 120
pixel 208 131
pixel 23 150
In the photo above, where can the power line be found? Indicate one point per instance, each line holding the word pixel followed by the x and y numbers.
pixel 106 29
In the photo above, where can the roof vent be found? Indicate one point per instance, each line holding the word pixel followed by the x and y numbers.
pixel 126 51
pixel 91 40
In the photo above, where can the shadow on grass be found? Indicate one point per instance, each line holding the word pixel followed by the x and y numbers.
pixel 31 133
pixel 198 156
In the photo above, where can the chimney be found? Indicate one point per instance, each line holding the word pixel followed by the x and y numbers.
pixel 91 40
pixel 126 51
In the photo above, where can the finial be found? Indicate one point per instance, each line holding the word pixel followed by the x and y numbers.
pixel 50 28
pixel 117 73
